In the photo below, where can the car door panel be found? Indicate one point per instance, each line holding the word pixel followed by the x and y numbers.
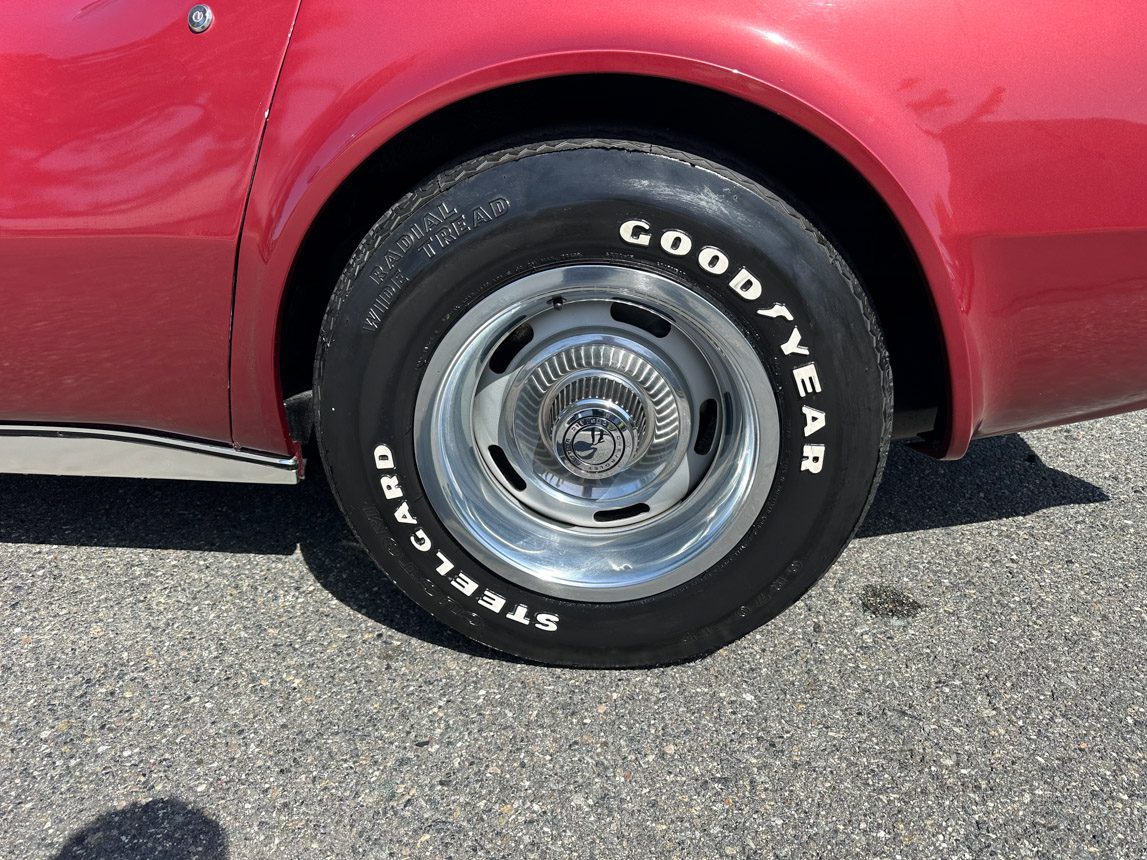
pixel 125 165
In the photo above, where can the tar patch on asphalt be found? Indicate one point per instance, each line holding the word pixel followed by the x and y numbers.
pixel 884 601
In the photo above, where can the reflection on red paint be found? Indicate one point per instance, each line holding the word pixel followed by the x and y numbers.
pixel 1008 144
pixel 125 160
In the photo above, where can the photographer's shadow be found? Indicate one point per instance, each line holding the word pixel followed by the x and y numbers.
pixel 161 829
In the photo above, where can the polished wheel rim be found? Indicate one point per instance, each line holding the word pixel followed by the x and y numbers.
pixel 596 433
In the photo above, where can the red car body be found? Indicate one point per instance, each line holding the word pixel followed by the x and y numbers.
pixel 157 185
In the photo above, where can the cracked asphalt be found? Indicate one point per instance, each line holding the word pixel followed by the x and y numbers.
pixel 217 671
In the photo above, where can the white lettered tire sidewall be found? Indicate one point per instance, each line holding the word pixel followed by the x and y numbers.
pixel 480 226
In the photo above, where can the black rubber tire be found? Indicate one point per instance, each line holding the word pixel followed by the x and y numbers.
pixel 560 203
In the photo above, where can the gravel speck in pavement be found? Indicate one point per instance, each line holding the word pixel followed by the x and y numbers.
pixel 217 671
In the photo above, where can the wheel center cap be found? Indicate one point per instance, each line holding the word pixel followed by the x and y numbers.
pixel 596 441
pixel 597 425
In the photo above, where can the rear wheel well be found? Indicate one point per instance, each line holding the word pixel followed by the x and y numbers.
pixel 747 138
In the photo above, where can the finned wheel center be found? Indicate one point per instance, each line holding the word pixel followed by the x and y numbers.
pixel 596 424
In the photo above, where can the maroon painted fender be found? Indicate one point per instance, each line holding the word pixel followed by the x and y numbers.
pixel 151 208
pixel 1008 144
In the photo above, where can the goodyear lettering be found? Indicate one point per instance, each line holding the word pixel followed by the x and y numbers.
pixel 747 285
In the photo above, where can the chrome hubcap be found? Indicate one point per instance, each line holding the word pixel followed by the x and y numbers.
pixel 596 433
pixel 596 424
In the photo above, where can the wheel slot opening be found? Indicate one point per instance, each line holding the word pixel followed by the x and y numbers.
pixel 514 343
pixel 706 427
pixel 618 514
pixel 508 471
pixel 640 318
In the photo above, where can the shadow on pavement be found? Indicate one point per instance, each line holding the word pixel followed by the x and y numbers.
pixel 999 478
pixel 162 829
pixel 233 518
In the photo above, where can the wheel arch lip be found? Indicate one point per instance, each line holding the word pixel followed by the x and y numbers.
pixel 309 155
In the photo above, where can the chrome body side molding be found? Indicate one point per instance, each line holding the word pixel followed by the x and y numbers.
pixel 50 450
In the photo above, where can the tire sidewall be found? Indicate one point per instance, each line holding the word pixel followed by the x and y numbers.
pixel 445 249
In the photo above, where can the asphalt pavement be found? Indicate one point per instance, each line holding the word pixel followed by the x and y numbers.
pixel 217 671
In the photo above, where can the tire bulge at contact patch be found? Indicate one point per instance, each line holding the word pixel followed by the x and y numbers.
pixel 713 261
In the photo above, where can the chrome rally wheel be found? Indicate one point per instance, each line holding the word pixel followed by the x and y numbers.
pixel 598 403
pixel 596 433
